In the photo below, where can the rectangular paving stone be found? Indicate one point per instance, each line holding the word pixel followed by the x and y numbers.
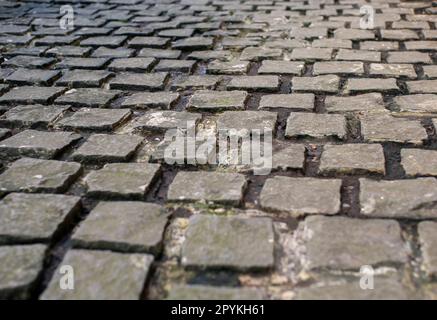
pixel 379 45
pixel 385 128
pixel 148 42
pixel 311 54
pixel 37 144
pixel 144 100
pixel 312 125
pixel 288 156
pixel 358 55
pixel 368 102
pixel 408 57
pixel 122 277
pixel 138 81
pixel 87 97
pixel 32 115
pixel 68 51
pixel 83 78
pixel 371 84
pixel 325 83
pixel 234 67
pixel 123 226
pixel 35 217
pixel 28 62
pixel 184 66
pixel 418 162
pixel 241 123
pixel 260 53
pixel 254 83
pixel 228 242
pixel 159 53
pixel 82 63
pixel 36 175
pixel 430 71
pixel 216 187
pixel 410 199
pixel 422 86
pixel 132 64
pixel 399 35
pixel 338 67
pixel 352 159
pixel 281 67
pixel 29 94
pixel 340 243
pixel 161 121
pixel 295 101
pixel 95 119
pixel 20 269
pixel 125 180
pixel 417 104
pixel 196 82
pixel 301 196
pixel 103 52
pixel 217 100
pixel 32 76
pixel 428 241
pixel 393 70
pixel 388 289
pixel 107 41
pixel 107 148
pixel 193 43
pixel 199 292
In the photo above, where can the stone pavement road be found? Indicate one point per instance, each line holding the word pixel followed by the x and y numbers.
pixel 83 184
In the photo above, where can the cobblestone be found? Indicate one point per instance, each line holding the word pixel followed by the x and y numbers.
pixel 228 242
pixel 84 115
pixel 106 228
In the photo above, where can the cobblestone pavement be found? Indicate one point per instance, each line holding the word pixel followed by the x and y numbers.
pixel 83 112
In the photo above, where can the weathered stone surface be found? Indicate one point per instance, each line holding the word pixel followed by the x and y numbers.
pixel 143 100
pixel 411 199
pixel 418 162
pixel 87 97
pixel 288 156
pixel 384 128
pixel 300 196
pixel 430 71
pixel 196 82
pixel 122 226
pixel 393 70
pixel 254 83
pixel 360 55
pixel 217 100
pixel 370 84
pixel 30 95
pixel 242 122
pixel 20 268
pixel 228 242
pixel 32 115
pixel 327 83
pixel 217 187
pixel 34 175
pixel 228 67
pixel 94 119
pixel 160 121
pixel 310 54
pixel 422 86
pixel 341 243
pixel 281 67
pixel 295 101
pixel 4 133
pixel 338 67
pixel 138 81
pixel 101 275
pixel 315 125
pixel 417 104
pixel 352 159
pixel 201 292
pixel 127 180
pixel 37 144
pixel 83 78
pixel 408 57
pixel 32 76
pixel 260 53
pixel 132 64
pixel 175 65
pixel 34 217
pixel 107 148
pixel 384 289
pixel 368 102
pixel 428 242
